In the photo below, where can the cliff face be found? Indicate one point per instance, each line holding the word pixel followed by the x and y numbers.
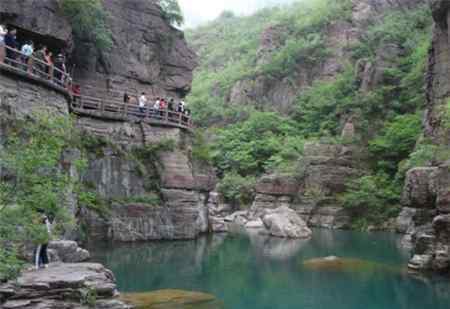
pixel 279 93
pixel 150 195
pixel 147 54
pixel 426 197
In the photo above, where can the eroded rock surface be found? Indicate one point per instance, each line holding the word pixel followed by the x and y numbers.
pixel 63 286
pixel 286 223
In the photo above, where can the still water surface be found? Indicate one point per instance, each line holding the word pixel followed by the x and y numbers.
pixel 258 272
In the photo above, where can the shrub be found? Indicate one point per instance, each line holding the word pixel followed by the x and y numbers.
pixel 373 198
pixel 88 20
pixel 396 141
pixel 237 189
pixel 172 11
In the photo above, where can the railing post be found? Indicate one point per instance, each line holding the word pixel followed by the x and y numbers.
pixel 50 72
pixel 166 116
pixel 125 110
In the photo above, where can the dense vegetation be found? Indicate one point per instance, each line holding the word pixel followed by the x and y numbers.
pixel 88 21
pixel 247 142
pixel 34 183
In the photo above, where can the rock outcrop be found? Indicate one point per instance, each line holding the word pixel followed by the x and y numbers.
pixel 325 171
pixel 78 286
pixel 279 93
pixel 285 223
pixel 426 194
pixel 127 173
pixel 147 54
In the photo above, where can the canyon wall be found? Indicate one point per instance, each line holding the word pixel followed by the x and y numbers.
pixel 426 217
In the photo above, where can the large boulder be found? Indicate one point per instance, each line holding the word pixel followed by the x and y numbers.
pixel 285 222
pixel 69 251
pixel 63 286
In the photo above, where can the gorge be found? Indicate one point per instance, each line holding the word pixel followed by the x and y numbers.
pixel 316 126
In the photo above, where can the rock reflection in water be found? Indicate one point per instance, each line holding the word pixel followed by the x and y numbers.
pixel 274 247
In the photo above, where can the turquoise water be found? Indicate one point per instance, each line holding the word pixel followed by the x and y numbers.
pixel 257 272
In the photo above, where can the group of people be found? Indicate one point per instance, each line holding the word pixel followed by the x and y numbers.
pixel 23 56
pixel 159 105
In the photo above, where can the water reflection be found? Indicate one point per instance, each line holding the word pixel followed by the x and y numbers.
pixel 258 272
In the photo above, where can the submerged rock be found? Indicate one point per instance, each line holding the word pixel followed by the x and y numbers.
pixel 337 264
pixel 172 299
pixel 285 222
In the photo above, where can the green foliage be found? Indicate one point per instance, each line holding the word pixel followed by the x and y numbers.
pixel 237 189
pixel 201 150
pixel 172 11
pixel 319 108
pixel 88 20
pixel 247 147
pixel 396 141
pixel 373 198
pixel 37 184
pixel 10 265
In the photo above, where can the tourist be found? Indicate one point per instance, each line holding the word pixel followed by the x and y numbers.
pixel 172 105
pixel 49 64
pixel 181 106
pixel 156 106
pixel 13 45
pixel 3 33
pixel 76 92
pixel 60 71
pixel 40 64
pixel 126 98
pixel 142 102
pixel 162 107
pixel 41 255
pixel 27 51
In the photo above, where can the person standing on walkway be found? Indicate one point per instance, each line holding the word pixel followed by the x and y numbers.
pixel 13 45
pixel 142 103
pixel 27 51
pixel 41 259
pixel 3 33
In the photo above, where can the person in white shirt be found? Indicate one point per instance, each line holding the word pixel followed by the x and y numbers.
pixel 142 102
pixel 27 51
pixel 3 32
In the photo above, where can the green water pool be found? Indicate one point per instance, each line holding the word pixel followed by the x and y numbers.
pixel 258 272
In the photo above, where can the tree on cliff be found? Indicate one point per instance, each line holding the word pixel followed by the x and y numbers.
pixel 88 20
pixel 172 11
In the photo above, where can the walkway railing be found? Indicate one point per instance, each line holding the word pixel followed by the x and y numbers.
pixel 114 110
pixel 34 68
pixel 109 106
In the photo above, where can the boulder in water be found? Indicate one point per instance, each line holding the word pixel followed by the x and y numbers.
pixel 337 264
pixel 285 222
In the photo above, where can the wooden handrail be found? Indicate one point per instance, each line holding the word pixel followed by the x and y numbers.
pixel 110 109
pixel 104 107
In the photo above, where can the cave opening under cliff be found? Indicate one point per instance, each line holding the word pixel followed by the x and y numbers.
pixel 24 35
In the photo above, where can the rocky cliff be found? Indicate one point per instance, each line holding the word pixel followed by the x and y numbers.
pixel 143 177
pixel 426 197
pixel 278 92
pixel 147 53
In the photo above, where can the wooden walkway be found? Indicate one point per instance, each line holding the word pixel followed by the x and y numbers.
pixel 107 107
pixel 113 110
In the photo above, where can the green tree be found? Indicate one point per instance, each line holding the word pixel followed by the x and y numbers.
pixel 172 11
pixel 33 182
pixel 88 20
